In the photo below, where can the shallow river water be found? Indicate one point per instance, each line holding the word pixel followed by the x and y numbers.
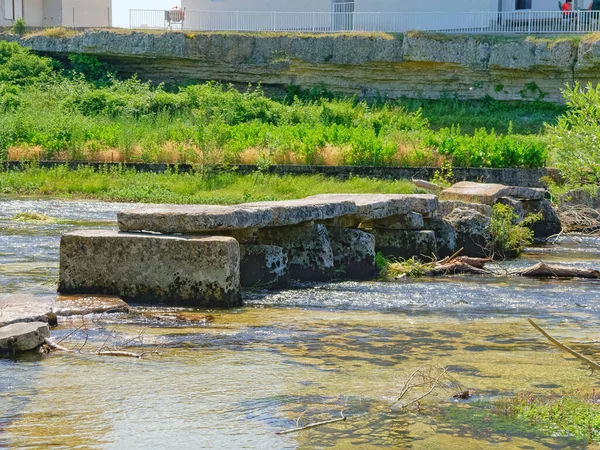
pixel 297 355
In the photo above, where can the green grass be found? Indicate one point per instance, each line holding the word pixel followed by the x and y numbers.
pixel 103 119
pixel 222 188
pixel 575 414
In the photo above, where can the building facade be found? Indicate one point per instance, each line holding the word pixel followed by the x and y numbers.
pixel 53 13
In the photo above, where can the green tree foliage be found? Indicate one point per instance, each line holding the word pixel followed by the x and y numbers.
pixel 19 66
pixel 508 236
pixel 575 140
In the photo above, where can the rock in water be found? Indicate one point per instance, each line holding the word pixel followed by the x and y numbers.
pixel 550 223
pixel 264 266
pixel 353 253
pixel 23 336
pixel 471 231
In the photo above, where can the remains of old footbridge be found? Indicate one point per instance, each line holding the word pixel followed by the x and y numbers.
pixel 202 255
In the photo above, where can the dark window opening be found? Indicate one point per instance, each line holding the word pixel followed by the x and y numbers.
pixel 523 4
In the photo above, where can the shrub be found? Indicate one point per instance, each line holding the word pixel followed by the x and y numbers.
pixel 92 69
pixel 19 66
pixel 19 27
pixel 573 141
pixel 509 237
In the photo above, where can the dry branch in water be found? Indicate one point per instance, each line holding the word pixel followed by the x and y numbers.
pixel 580 219
pixel 314 425
pixel 425 380
pixel 542 270
pixel 592 365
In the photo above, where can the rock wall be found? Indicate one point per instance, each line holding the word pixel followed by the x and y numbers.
pixel 413 64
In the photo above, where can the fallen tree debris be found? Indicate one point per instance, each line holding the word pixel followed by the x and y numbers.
pixel 456 268
pixel 580 219
pixel 314 425
pixel 543 270
pixel 592 365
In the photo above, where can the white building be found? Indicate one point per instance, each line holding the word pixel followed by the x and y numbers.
pixel 52 13
pixel 378 6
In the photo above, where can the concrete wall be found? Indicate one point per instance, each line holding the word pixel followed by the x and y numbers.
pixel 33 12
pixel 88 13
pixel 52 13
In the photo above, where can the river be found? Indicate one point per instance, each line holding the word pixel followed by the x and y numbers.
pixel 293 357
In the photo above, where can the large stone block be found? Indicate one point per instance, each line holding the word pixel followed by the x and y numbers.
pixel 488 194
pixel 472 231
pixel 192 271
pixel 264 266
pixel 23 336
pixel 410 221
pixel 445 236
pixel 191 219
pixel 447 206
pixel 353 253
pixel 405 243
pixel 379 206
pixel 308 248
pixel 550 223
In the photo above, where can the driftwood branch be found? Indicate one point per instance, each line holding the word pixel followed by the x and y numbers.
pixel 314 425
pixel 593 365
pixel 55 347
pixel 119 353
pixel 542 270
pixel 455 268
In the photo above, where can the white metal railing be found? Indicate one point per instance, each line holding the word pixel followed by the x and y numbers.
pixel 515 22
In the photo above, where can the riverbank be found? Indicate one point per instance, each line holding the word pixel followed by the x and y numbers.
pixel 184 188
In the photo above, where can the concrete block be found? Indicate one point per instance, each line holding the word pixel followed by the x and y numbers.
pixel 353 253
pixel 405 243
pixel 264 266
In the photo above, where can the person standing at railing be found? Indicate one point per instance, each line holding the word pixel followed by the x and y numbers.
pixel 567 9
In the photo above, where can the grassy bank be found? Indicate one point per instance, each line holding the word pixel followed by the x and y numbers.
pixel 223 188
pixel 90 115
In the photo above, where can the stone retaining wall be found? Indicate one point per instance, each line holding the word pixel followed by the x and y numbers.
pixel 413 64
pixel 506 176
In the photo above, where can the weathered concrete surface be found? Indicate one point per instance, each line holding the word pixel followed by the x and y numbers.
pixel 405 243
pixel 445 236
pixel 194 271
pixel 447 206
pixel 23 336
pixel 192 219
pixel 198 219
pixel 353 253
pixel 308 248
pixel 414 64
pixel 31 308
pixel 294 212
pixel 264 266
pixel 378 206
pixel 579 197
pixel 515 205
pixel 410 221
pixel 472 233
pixel 488 194
pixel 550 223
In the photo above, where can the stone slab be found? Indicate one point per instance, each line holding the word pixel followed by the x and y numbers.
pixel 447 206
pixel 23 336
pixel 472 234
pixel 264 266
pixel 488 194
pixel 410 221
pixel 445 236
pixel 31 308
pixel 191 219
pixel 379 206
pixel 353 253
pixel 405 243
pixel 187 270
pixel 549 225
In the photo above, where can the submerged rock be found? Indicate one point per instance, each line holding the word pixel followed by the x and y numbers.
pixel 23 336
pixel 264 266
pixel 192 270
pixel 353 253
pixel 472 233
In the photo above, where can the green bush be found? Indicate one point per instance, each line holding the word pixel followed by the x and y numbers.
pixel 19 27
pixel 573 141
pixel 19 66
pixel 509 237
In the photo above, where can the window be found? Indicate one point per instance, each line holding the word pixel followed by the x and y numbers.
pixel 9 9
pixel 523 4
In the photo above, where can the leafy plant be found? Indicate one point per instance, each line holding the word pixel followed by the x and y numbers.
pixel 444 176
pixel 508 235
pixel 573 141
pixel 19 27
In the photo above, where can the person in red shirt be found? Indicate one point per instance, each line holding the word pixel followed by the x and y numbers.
pixel 567 8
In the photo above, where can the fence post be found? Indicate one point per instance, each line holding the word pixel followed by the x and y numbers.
pixel 73 17
pixel 274 14
pixel 237 21
pixel 130 24
pixel 313 21
pixel 529 22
